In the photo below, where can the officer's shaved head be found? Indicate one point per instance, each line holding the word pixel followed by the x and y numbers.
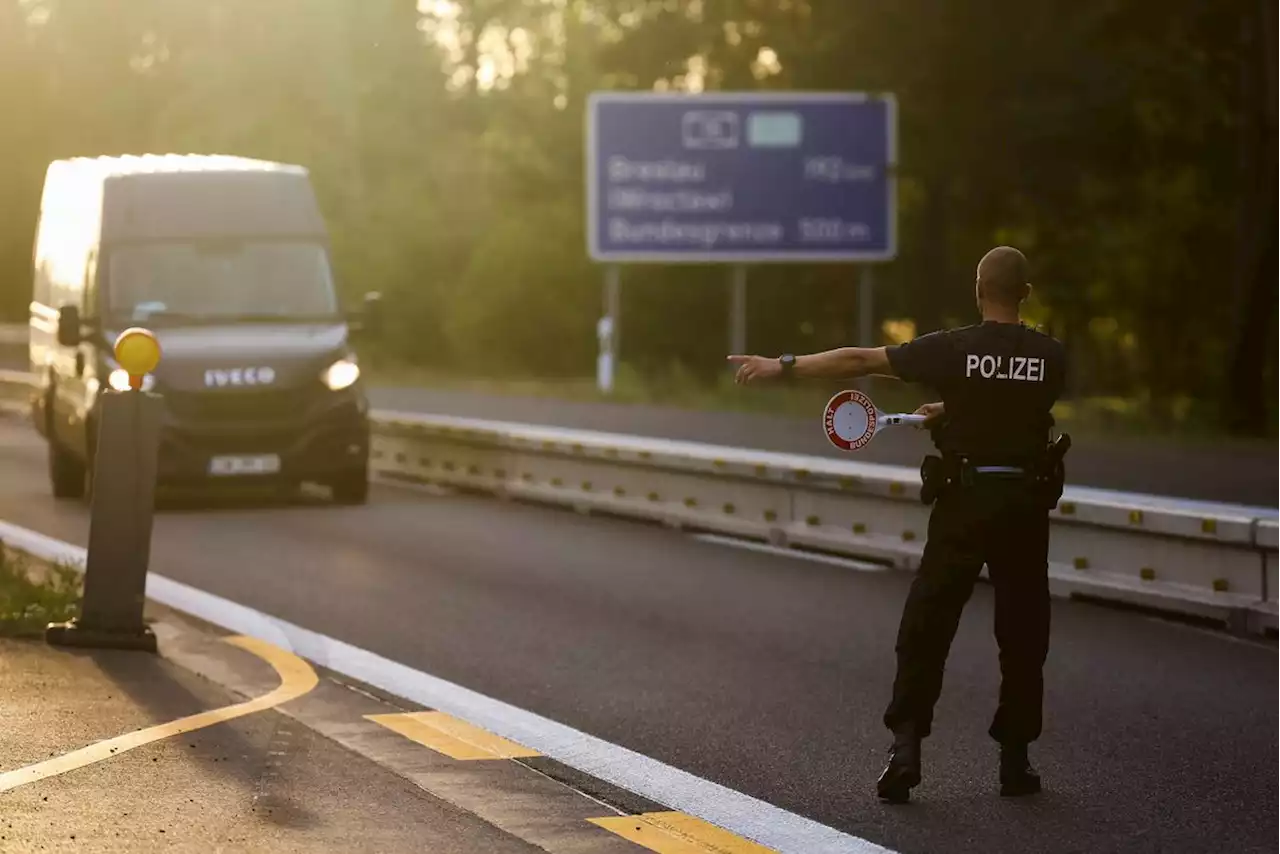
pixel 1003 276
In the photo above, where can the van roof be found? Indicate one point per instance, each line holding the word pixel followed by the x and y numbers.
pixel 145 164
pixel 179 196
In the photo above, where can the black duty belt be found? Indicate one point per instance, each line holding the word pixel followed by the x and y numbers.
pixel 955 470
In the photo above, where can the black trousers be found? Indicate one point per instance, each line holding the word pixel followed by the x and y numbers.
pixel 999 523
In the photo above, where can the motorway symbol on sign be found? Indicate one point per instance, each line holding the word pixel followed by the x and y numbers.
pixel 741 177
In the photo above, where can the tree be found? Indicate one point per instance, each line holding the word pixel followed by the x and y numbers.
pixel 1252 365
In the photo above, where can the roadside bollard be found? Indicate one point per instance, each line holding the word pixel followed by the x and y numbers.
pixel 121 509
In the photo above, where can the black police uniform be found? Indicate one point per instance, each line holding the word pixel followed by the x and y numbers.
pixel 994 484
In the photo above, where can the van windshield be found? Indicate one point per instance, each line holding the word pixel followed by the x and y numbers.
pixel 219 281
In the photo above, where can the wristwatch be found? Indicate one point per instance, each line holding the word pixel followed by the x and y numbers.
pixel 788 362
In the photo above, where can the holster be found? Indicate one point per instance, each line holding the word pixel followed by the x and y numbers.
pixel 1050 475
pixel 936 475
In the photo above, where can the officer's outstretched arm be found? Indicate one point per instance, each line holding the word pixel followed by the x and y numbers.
pixel 845 363
pixel 841 363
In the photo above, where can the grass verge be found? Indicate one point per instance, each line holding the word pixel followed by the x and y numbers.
pixel 34 594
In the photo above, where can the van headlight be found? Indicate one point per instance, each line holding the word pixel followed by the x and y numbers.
pixel 340 374
pixel 119 380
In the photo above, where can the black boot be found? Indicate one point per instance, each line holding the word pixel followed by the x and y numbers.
pixel 903 771
pixel 1017 777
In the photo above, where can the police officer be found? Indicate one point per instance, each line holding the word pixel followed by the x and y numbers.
pixel 992 488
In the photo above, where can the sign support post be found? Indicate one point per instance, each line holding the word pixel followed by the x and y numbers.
pixel 608 329
pixel 738 310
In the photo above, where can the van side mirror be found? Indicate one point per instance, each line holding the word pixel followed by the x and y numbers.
pixel 70 329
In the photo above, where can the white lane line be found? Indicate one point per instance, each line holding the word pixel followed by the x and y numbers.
pixel 744 815
pixel 815 557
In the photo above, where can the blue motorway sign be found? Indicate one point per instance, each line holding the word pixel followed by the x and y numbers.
pixel 741 177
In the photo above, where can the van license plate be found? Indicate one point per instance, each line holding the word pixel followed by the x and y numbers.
pixel 230 466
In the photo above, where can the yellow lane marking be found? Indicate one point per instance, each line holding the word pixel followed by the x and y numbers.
pixel 678 833
pixel 296 679
pixel 455 738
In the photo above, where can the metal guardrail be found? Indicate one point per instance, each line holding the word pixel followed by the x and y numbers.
pixel 1202 559
pixel 1213 561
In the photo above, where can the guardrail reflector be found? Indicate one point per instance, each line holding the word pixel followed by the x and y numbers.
pixel 761 470
pixel 813 521
pixel 1135 517
pixel 653 496
pixel 908 536
pixel 729 508
pixel 1220 585
pixel 1209 526
pixel 1067 508
pixel 859 527
pixel 619 491
pixel 691 502
pixel 1147 573
pixel 1080 563
pixel 895 488
pixel 770 516
pixel 586 486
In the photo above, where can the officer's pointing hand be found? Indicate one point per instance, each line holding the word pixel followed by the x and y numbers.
pixel 755 368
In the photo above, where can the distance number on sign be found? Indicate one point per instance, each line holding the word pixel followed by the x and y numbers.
pixel 833 231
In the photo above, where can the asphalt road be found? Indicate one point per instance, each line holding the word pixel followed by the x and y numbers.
pixel 764 673
pixel 1239 473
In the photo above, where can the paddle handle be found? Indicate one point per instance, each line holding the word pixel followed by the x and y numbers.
pixel 890 420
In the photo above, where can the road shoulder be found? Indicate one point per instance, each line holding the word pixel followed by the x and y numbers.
pixel 257 782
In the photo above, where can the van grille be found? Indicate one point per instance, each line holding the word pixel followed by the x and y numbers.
pixel 257 405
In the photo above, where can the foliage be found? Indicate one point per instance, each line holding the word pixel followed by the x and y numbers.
pixel 32 597
pixel 1129 148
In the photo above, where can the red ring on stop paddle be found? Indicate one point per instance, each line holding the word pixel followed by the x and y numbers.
pixel 829 416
